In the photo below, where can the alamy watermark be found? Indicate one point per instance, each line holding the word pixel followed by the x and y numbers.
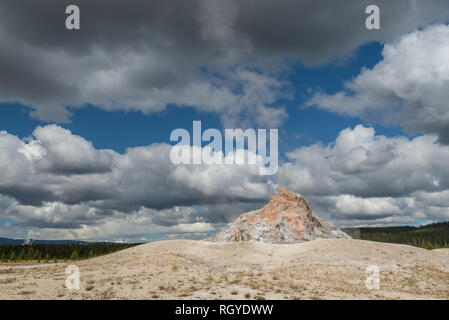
pixel 190 151
pixel 72 22
pixel 73 280
pixel 372 282
pixel 372 22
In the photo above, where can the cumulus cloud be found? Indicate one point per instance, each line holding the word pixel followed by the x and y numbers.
pixel 228 58
pixel 364 176
pixel 368 165
pixel 222 57
pixel 360 179
pixel 409 87
pixel 68 168
pixel 58 221
pixel 368 207
pixel 58 180
pixel 56 150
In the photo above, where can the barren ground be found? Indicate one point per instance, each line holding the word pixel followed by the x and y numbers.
pixel 184 269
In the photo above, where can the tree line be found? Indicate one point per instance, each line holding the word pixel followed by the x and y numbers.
pixel 47 252
pixel 431 236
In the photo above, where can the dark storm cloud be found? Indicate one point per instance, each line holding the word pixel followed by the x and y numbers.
pixel 143 55
pixel 27 194
pixel 311 30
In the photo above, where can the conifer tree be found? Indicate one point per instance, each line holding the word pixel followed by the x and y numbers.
pixel 21 255
pixel 12 256
pixel 30 253
pixel 74 255
pixel 36 255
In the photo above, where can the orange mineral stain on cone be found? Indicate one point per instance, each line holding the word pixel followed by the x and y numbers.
pixel 287 218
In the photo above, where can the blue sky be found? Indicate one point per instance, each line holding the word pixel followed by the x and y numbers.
pixel 119 130
pixel 86 115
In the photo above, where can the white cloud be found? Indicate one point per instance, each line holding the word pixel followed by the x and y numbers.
pixel 366 164
pixel 409 87
pixel 361 178
pixel 58 181
pixel 351 205
pixel 59 151
pixel 367 177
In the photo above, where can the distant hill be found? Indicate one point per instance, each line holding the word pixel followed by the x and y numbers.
pixel 430 236
pixel 10 241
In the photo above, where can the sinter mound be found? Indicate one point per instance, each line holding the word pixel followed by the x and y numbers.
pixel 287 218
